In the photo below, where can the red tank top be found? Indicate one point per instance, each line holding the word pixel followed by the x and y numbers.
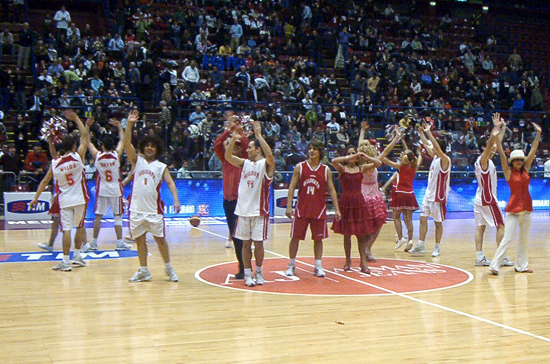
pixel 520 199
pixel 405 179
pixel 311 192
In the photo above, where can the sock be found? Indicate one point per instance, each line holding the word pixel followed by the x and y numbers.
pixel 66 258
pixel 292 261
pixel 94 241
pixel 248 271
pixel 258 270
pixel 479 255
pixel 76 253
pixel 144 269
pixel 168 265
pixel 119 242
pixel 420 243
pixel 318 263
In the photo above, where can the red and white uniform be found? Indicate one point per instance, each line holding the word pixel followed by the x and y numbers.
pixel 253 201
pixel 435 198
pixel 108 182
pixel 145 196
pixel 71 189
pixel 70 185
pixel 311 207
pixel 254 185
pixel 486 209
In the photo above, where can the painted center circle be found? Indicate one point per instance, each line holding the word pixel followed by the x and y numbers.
pixel 388 276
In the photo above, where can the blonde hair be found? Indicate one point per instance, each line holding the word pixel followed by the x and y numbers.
pixel 366 147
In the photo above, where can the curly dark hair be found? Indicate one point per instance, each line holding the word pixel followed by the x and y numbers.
pixel 153 139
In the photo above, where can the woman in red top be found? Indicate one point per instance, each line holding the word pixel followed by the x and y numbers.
pixel 520 206
pixel 403 199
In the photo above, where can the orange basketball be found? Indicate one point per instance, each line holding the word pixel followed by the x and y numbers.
pixel 195 220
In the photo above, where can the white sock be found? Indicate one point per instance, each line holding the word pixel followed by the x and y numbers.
pixel 66 258
pixel 76 253
pixel 248 271
pixel 420 243
pixel 437 245
pixel 318 263
pixel 292 261
pixel 120 242
pixel 258 270
pixel 168 265
pixel 144 269
pixel 479 255
pixel 94 241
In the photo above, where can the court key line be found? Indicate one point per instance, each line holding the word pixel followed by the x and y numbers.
pixel 481 319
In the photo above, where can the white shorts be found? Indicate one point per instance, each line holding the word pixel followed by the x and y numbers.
pixel 252 228
pixel 102 203
pixel 72 216
pixel 488 215
pixel 143 223
pixel 435 210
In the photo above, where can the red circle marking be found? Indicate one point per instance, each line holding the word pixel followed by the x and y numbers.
pixel 388 276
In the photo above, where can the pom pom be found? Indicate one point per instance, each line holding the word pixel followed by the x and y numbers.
pixel 54 128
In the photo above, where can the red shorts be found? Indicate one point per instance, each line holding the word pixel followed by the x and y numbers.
pixel 319 230
pixel 55 210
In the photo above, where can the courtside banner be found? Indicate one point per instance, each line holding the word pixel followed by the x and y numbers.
pixel 17 206
pixel 58 256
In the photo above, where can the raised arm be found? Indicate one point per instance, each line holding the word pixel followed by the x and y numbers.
pixel 390 146
pixel 120 146
pixel 173 190
pixel 229 157
pixel 427 144
pixel 84 134
pixel 534 147
pixel 268 153
pixel 364 127
pixel 51 148
pixel 130 150
pixel 445 160
pixel 91 147
pixel 497 125
pixel 503 159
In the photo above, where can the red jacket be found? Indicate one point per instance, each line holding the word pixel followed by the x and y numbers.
pixel 231 174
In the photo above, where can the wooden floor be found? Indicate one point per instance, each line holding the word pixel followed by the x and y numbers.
pixel 94 315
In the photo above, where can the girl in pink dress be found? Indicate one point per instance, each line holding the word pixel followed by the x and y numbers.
pixel 356 215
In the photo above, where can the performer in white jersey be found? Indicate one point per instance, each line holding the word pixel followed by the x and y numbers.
pixel 434 204
pixel 253 200
pixel 146 206
pixel 486 208
pixel 108 185
pixel 70 186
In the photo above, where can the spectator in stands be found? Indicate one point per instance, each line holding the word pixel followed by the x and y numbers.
pixel 10 162
pixel 62 19
pixel 191 76
pixel 73 31
pixel 25 44
pixel 242 80
pixel 236 32
pixel 36 162
pixel 183 172
pixel 55 70
pixel 514 60
pixel 217 77
pixel 7 43
pixel 115 47
pixel 197 116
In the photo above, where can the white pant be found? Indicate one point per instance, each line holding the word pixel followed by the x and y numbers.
pixel 522 219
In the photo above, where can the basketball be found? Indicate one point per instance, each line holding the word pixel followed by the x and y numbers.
pixel 195 220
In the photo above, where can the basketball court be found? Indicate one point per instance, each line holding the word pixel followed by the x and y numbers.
pixel 411 308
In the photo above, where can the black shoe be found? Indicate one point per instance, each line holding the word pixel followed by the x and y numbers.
pixel 239 275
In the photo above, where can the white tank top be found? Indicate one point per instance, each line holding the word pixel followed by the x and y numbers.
pixel 145 196
pixel 253 199
pixel 486 183
pixel 70 182
pixel 108 182
pixel 438 182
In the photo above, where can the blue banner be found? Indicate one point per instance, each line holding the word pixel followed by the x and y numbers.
pixel 58 256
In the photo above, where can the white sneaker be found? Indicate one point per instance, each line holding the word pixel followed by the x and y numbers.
pixel 228 243
pixel 46 247
pixel 64 267
pixel 78 261
pixel 400 243
pixel 506 262
pixel 409 246
pixel 483 262
pixel 140 276
pixel 121 246
pixel 436 252
pixel 260 281
pixel 249 281
pixel 290 270
pixel 418 249
pixel 172 274
pixel 319 272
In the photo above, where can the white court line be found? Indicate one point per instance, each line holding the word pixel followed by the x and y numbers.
pixel 506 327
